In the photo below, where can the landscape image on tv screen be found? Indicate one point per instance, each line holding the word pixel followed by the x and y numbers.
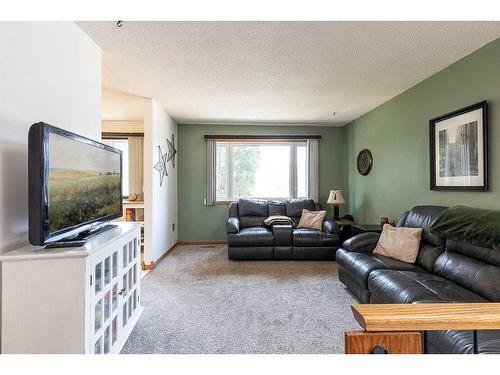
pixel 84 182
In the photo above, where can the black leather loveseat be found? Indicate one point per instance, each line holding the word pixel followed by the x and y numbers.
pixel 445 271
pixel 248 237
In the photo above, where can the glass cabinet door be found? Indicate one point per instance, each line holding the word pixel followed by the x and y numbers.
pixel 98 277
pixel 125 255
pixel 98 316
pixel 105 299
pixel 98 346
pixel 114 295
pixel 115 264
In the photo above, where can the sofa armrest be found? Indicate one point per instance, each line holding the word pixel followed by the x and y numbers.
pixel 330 227
pixel 233 225
pixel 362 243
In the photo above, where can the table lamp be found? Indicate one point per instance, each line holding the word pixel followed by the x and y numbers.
pixel 335 198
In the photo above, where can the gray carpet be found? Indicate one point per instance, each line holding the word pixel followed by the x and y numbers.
pixel 198 301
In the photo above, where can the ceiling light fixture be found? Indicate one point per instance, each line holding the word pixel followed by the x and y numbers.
pixel 119 23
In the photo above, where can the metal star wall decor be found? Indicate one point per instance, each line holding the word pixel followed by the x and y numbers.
pixel 161 166
pixel 171 150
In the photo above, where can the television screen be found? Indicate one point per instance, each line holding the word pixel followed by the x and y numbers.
pixel 84 182
pixel 79 183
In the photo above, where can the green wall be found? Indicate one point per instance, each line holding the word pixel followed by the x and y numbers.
pixel 397 133
pixel 199 222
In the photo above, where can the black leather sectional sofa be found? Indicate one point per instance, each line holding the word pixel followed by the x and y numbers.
pixel 445 271
pixel 248 238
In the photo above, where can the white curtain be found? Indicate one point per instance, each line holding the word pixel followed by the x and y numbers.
pixel 211 173
pixel 313 168
pixel 136 165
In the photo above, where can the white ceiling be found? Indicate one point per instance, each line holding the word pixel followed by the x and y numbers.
pixel 278 72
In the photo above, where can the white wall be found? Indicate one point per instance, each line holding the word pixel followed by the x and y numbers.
pixel 51 72
pixel 160 210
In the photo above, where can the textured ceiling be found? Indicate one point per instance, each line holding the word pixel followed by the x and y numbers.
pixel 278 72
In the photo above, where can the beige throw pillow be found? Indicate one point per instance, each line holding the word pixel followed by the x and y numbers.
pixel 399 243
pixel 311 219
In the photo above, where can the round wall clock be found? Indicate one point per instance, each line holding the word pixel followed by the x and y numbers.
pixel 365 162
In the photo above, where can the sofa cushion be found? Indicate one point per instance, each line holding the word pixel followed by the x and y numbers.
pixel 359 265
pixel 461 342
pixel 470 273
pixel 311 237
pixel 276 208
pixel 389 286
pixel 294 207
pixel 484 254
pixel 251 207
pixel 252 221
pixel 424 217
pixel 252 212
pixel 427 256
pixel 253 236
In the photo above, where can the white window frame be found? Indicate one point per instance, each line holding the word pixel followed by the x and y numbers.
pixel 293 178
pixel 126 168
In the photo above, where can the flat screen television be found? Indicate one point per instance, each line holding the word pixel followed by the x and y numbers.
pixel 75 184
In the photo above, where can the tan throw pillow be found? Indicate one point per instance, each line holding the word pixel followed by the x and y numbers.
pixel 311 219
pixel 399 243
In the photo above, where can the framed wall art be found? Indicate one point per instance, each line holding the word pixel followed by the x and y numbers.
pixel 459 149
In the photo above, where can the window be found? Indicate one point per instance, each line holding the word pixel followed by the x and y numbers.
pixel 261 170
pixel 121 144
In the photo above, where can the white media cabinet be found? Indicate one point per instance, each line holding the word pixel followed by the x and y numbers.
pixel 72 300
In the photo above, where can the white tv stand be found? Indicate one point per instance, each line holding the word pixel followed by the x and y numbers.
pixel 72 300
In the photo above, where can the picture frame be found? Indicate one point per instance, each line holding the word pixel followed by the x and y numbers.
pixel 458 149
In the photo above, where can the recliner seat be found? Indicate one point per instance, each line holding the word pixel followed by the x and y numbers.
pixel 391 286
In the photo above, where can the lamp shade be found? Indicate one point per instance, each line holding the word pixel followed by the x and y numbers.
pixel 335 197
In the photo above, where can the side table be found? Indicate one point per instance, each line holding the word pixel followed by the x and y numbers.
pixel 345 229
pixel 364 228
pixel 349 229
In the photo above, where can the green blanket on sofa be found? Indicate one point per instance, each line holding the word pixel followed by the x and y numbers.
pixel 472 225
